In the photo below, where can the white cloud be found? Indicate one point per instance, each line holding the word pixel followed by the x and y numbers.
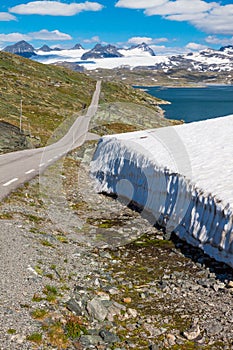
pixel 139 4
pixel 55 8
pixel 136 40
pixel 14 37
pixel 166 50
pixel 94 39
pixel 160 40
pixel 43 34
pixel 195 47
pixel 186 17
pixel 212 39
pixel 140 39
pixel 209 17
pixel 218 21
pixel 6 17
pixel 180 7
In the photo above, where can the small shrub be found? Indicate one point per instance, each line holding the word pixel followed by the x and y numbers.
pixel 51 293
pixel 39 314
pixel 74 327
pixel 46 243
pixel 37 298
pixel 35 338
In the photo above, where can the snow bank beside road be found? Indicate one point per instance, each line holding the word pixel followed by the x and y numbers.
pixel 181 175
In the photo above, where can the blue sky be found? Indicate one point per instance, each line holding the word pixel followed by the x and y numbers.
pixel 169 26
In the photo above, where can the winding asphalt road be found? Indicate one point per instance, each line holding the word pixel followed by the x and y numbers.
pixel 20 167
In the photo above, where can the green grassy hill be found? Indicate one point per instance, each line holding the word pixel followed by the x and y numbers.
pixel 50 94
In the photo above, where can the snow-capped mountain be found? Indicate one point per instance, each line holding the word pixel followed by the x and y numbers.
pixel 100 51
pixel 138 50
pixel 21 48
pixel 46 48
pixel 136 57
pixel 206 60
pixel 77 47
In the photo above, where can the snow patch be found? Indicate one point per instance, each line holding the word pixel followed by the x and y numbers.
pixel 181 176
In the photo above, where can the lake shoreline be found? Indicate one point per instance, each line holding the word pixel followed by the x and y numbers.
pixel 191 104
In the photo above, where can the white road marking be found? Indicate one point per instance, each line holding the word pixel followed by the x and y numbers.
pixel 50 160
pixel 10 182
pixel 30 171
pixel 42 164
pixel 55 157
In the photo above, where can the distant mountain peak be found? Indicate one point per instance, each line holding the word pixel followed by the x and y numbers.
pixel 143 47
pixel 45 48
pixel 100 51
pixel 226 48
pixel 77 47
pixel 21 48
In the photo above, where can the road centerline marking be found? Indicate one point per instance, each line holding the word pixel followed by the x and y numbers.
pixel 10 182
pixel 30 171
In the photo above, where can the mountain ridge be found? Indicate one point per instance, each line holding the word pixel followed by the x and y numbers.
pixel 136 57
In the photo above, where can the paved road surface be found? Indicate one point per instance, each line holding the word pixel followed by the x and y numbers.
pixel 19 167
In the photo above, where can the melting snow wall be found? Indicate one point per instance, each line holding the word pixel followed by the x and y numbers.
pixel 129 169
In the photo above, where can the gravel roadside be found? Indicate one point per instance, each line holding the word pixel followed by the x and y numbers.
pixel 103 278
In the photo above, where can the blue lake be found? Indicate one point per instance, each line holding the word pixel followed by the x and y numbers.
pixel 193 104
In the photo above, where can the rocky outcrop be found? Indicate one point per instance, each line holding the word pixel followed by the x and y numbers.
pixel 11 139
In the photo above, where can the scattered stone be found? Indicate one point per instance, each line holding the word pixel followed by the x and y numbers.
pixel 127 300
pixel 154 347
pixel 73 306
pixel 230 284
pixel 96 309
pixel 109 337
pixel 154 331
pixel 171 339
pixel 214 328
pixel 89 340
pixel 193 333
pixel 105 254
pixel 113 291
pixel 18 338
pixel 132 312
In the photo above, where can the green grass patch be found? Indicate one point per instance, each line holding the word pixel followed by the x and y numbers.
pixel 35 338
pixel 39 314
pixel 74 327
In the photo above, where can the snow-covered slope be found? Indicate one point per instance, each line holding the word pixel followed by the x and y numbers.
pixel 132 59
pixel 181 175
pixel 138 50
pixel 141 57
pixel 59 55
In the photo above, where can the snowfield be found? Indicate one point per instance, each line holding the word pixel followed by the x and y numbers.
pixel 182 176
pixel 206 60
pixel 133 59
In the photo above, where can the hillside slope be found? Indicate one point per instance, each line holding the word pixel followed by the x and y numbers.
pixel 50 94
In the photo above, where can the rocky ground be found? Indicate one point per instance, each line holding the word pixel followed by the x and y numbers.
pixel 81 270
pixel 11 139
